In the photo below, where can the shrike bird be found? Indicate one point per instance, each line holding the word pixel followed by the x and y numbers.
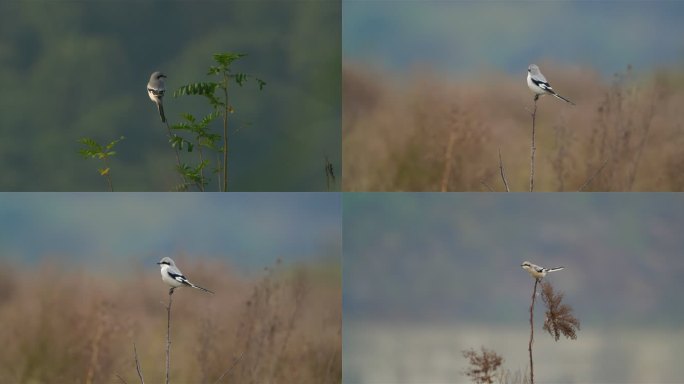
pixel 536 271
pixel 155 89
pixel 538 84
pixel 172 276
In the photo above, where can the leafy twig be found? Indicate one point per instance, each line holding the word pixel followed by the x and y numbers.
pixel 95 150
pixel 220 105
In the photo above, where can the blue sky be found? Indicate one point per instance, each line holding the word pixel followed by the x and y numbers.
pixel 462 36
pixel 249 230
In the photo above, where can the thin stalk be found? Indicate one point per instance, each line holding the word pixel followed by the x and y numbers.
pixel 107 176
pixel 533 147
pixel 589 180
pixel 138 368
pixel 168 336
pixel 201 157
pixel 230 369
pixel 175 149
pixel 534 294
pixel 503 172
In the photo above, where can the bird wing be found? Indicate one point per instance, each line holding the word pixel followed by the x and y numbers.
pixel 178 277
pixel 541 83
pixel 155 91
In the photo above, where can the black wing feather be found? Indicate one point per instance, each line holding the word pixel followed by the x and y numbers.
pixel 543 85
pixel 178 278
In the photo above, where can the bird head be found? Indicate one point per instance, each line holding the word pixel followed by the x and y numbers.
pixel 166 261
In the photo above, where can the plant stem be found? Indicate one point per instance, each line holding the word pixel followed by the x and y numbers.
pixel 109 178
pixel 533 148
pixel 534 294
pixel 227 371
pixel 178 162
pixel 503 173
pixel 201 156
pixel 589 180
pixel 138 368
pixel 168 336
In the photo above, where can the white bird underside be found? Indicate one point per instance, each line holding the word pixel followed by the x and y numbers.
pixel 536 271
pixel 539 85
pixel 172 276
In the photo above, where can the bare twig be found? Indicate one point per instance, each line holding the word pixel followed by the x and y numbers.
pixel 168 336
pixel 120 378
pixel 447 162
pixel 503 173
pixel 487 185
pixel 534 294
pixel 230 369
pixel 138 368
pixel 533 148
pixel 589 180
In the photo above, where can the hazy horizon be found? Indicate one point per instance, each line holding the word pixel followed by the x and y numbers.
pixel 248 230
pixel 451 37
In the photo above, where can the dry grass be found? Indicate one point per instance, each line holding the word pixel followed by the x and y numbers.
pixel 428 133
pixel 484 366
pixel 559 318
pixel 62 326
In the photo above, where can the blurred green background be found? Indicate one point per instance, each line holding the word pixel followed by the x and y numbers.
pixel 71 69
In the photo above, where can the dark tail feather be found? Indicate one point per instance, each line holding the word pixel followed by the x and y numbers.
pixel 563 98
pixel 161 112
pixel 203 289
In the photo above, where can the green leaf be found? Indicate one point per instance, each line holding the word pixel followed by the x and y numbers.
pixel 225 59
pixel 196 89
pixel 188 117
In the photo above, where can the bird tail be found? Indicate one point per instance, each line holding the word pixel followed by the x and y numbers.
pixel 200 288
pixel 161 111
pixel 563 98
pixel 554 269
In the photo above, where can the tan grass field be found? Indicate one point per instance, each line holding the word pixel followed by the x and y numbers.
pixel 71 326
pixel 428 132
